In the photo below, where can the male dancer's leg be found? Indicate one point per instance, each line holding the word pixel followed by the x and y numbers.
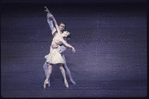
pixel 68 71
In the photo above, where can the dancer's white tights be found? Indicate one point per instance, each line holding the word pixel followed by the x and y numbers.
pixel 63 72
pixel 48 70
pixel 67 69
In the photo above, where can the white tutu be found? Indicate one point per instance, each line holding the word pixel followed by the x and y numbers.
pixel 54 57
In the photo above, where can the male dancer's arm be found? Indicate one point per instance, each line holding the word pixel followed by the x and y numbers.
pixel 50 23
pixel 62 48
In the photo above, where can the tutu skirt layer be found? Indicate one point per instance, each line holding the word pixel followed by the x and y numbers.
pixel 54 57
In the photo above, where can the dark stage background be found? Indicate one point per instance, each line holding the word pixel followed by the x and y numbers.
pixel 110 39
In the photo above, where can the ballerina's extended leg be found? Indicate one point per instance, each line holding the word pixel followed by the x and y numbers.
pixel 46 82
pixel 64 75
pixel 68 72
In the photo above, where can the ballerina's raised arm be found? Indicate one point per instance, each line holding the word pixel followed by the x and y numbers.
pixel 56 25
pixel 55 22
pixel 59 32
pixel 47 10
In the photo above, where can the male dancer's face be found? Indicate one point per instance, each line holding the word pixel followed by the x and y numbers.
pixel 62 27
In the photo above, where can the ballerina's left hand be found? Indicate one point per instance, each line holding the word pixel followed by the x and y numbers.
pixel 73 50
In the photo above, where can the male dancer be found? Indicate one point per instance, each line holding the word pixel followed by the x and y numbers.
pixel 61 48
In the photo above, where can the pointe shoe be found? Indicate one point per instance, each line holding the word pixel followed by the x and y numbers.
pixel 46 84
pixel 73 82
pixel 66 84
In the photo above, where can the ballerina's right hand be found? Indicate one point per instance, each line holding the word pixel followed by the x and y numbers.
pixel 47 10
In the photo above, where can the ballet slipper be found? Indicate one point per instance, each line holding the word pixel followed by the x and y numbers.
pixel 66 84
pixel 46 83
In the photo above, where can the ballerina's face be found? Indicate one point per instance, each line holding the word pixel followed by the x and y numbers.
pixel 65 33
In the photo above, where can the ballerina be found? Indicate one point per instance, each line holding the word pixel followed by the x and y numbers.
pixel 62 47
pixel 54 57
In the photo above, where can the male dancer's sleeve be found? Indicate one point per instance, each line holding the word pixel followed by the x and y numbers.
pixel 62 48
pixel 51 25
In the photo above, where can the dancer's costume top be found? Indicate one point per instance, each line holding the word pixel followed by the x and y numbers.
pixel 54 57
